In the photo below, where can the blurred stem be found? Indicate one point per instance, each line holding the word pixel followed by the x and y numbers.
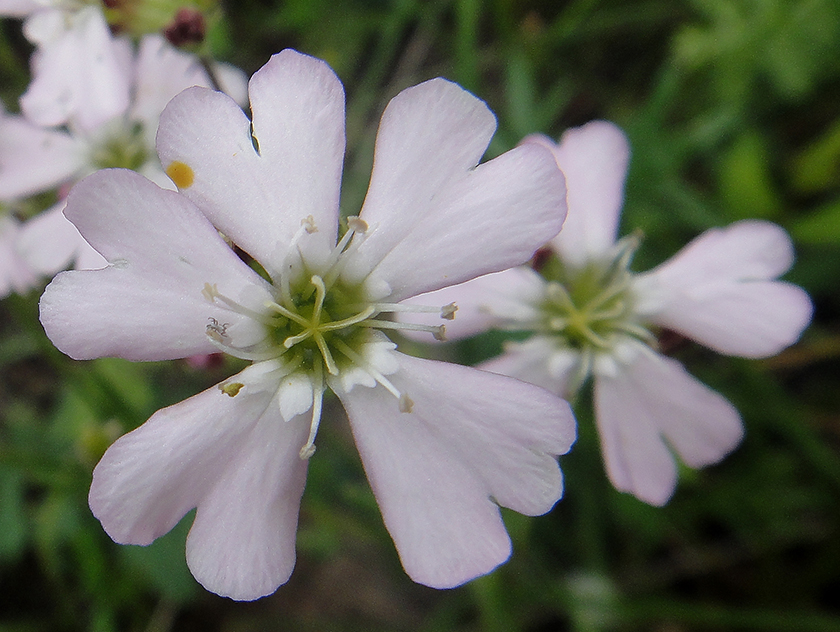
pixel 466 43
pixel 589 490
pixel 490 596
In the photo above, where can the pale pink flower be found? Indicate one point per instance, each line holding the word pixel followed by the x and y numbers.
pixel 442 445
pixel 590 316
pixel 78 68
pixel 34 159
pixel 15 274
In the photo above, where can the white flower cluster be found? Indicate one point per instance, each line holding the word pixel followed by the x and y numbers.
pixel 93 103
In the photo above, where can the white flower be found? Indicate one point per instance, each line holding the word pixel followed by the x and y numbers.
pixel 442 445
pixel 590 316
pixel 78 68
pixel 15 275
pixel 34 159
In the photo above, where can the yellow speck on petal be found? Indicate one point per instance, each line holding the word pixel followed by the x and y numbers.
pixel 232 389
pixel 181 174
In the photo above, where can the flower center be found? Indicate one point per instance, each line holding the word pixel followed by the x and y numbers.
pixel 121 146
pixel 319 329
pixel 589 307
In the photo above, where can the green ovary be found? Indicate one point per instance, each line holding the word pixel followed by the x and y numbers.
pixel 320 327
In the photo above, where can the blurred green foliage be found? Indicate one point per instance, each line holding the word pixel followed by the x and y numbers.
pixel 733 111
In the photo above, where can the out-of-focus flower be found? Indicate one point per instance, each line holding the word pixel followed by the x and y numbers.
pixel 590 316
pixel 15 274
pixel 34 159
pixel 442 445
pixel 79 70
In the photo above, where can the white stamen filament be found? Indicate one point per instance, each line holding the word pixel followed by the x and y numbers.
pixel 308 448
pixel 446 312
pixel 438 331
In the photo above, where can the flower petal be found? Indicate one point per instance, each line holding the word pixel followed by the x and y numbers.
pixel 259 197
pixel 33 160
pixel 537 360
pixel 231 457
pixel 79 76
pixel 648 402
pixel 162 71
pixel 19 8
pixel 49 242
pixel 148 303
pixel 719 291
pixel 492 218
pixel 428 206
pixel 506 297
pixel 594 160
pixel 15 274
pixel 472 438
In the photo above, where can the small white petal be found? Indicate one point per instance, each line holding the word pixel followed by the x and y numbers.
pixel 649 405
pixel 538 360
pixel 78 75
pixel 294 395
pixel 33 159
pixel 594 160
pixel 719 290
pixel 15 274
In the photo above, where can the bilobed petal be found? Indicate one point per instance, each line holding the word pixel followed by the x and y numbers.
pixel 649 405
pixel 490 219
pixel 719 290
pixel 259 197
pixel 594 160
pixel 79 77
pixel 472 439
pixel 148 303
pixel 430 136
pixel 234 459
pixel 49 242
pixel 242 543
pixel 33 159
pixel 483 303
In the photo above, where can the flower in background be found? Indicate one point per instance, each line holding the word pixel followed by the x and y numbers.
pixel 442 445
pixel 590 316
pixel 78 68
pixel 15 274
pixel 34 159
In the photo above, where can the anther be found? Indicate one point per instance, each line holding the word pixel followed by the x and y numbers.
pixel 308 224
pixel 447 312
pixel 357 224
pixel 405 404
